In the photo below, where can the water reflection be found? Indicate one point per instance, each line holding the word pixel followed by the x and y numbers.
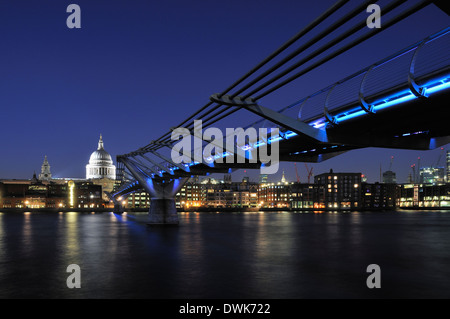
pixel 356 229
pixel 225 255
pixel 192 246
pixel 27 233
pixel 270 246
pixel 71 238
pixel 2 238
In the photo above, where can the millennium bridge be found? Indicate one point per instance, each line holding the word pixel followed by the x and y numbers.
pixel 382 105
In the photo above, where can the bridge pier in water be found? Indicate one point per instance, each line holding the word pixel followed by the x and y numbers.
pixel 118 209
pixel 162 193
pixel 163 210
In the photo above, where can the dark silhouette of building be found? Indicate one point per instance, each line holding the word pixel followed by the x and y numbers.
pixel 338 190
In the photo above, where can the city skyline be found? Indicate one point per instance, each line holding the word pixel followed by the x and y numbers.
pixel 121 73
pixel 425 160
pixel 211 154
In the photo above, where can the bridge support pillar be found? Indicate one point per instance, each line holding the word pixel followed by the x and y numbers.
pixel 118 209
pixel 163 212
pixel 162 204
pixel 162 195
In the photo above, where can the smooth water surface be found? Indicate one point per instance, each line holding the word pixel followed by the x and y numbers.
pixel 226 255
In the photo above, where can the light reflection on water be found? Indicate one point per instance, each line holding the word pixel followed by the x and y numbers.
pixel 2 238
pixel 27 242
pixel 226 255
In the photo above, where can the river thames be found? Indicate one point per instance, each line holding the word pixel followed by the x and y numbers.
pixel 281 255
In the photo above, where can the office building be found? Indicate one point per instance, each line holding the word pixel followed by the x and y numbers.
pixel 432 175
pixel 338 190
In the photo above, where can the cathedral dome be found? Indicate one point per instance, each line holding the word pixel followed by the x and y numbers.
pixel 100 156
pixel 100 164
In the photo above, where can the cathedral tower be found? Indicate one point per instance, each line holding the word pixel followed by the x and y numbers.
pixel 45 174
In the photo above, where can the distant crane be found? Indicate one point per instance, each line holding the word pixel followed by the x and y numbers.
pixel 417 180
pixel 309 173
pixel 296 173
pixel 390 165
pixel 413 167
pixel 410 180
pixel 440 157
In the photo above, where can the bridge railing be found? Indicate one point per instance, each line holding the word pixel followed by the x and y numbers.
pixel 410 73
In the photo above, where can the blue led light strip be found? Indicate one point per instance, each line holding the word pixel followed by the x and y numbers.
pixel 394 99
pixel 397 98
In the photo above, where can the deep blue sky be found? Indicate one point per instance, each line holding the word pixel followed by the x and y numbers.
pixel 136 68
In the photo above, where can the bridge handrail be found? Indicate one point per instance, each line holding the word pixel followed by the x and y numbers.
pixel 376 93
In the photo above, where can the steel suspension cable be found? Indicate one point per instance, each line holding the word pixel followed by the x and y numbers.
pixel 346 18
pixel 321 35
pixel 386 25
pixel 362 24
pixel 287 44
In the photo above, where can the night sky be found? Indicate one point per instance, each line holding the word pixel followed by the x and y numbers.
pixel 136 68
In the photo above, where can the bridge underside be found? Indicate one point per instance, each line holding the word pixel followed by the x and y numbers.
pixel 415 125
pixel 398 102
